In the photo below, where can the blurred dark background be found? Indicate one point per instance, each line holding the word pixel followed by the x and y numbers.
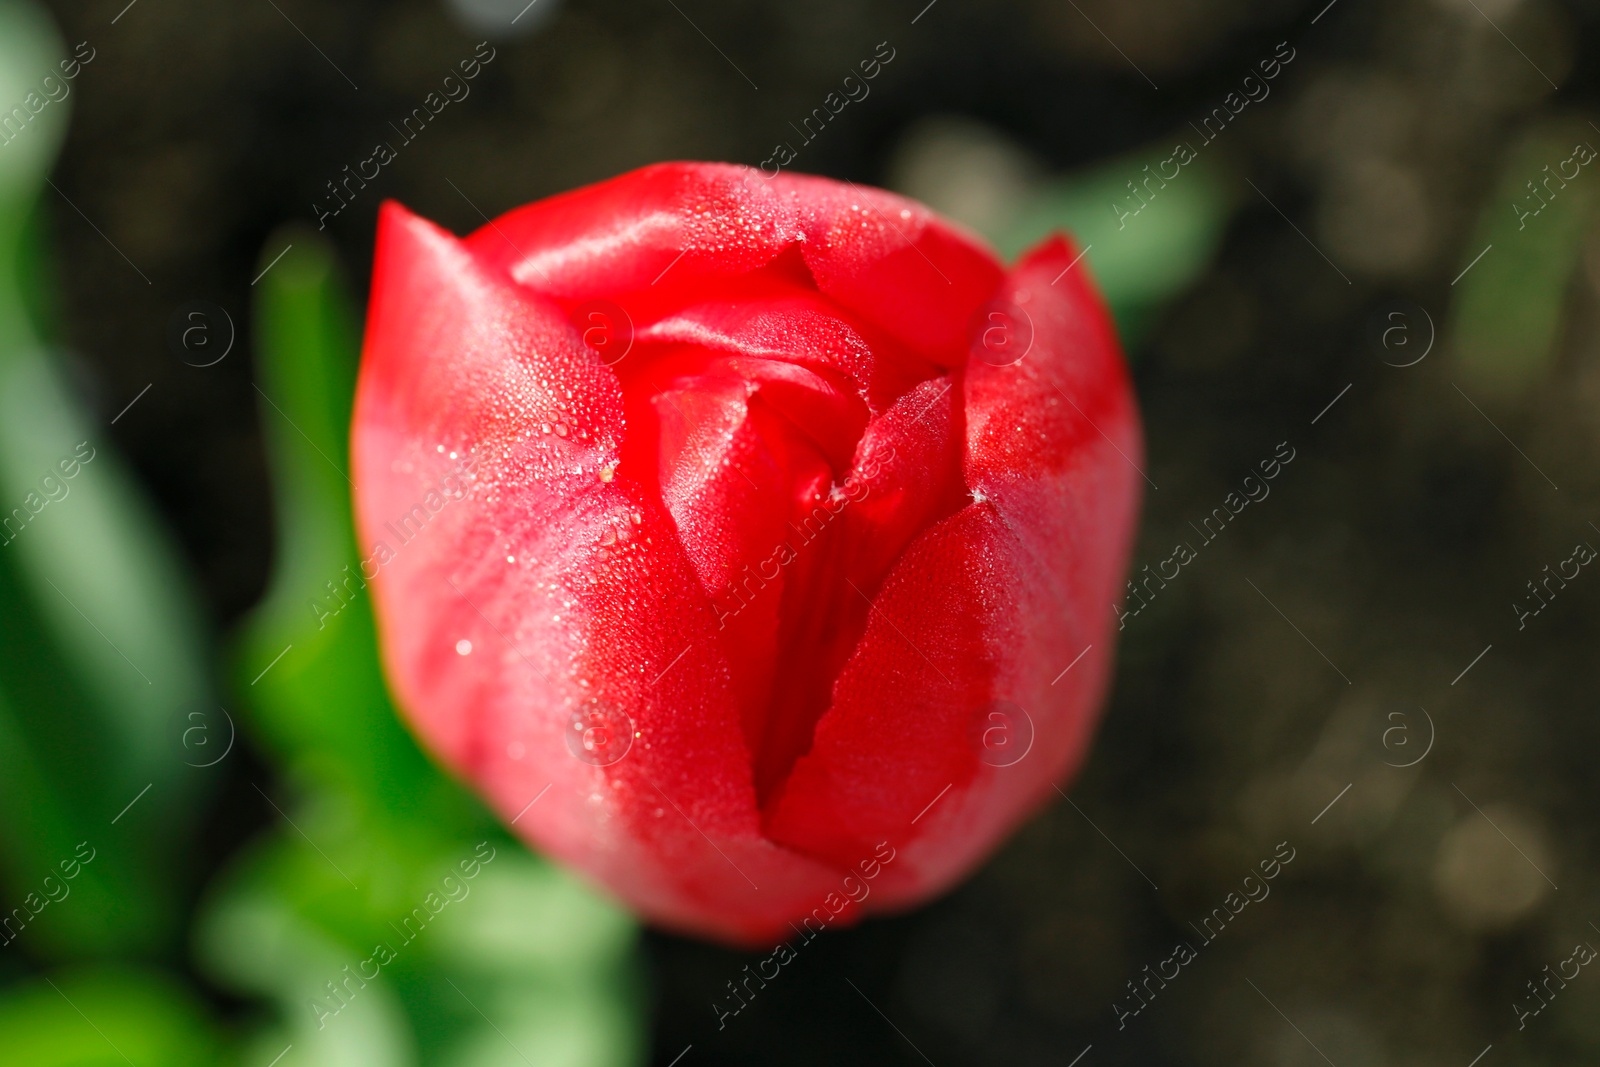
pixel 1274 672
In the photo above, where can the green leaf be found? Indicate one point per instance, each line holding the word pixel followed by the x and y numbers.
pixel 530 917
pixel 313 677
pixel 1141 256
pixel 1507 315
pixel 377 829
pixel 257 943
pixel 100 649
pixel 30 48
pixel 574 1027
pixel 457 931
pixel 105 1018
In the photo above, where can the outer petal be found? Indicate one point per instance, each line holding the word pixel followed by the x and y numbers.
pixel 568 581
pixel 990 604
pixel 652 239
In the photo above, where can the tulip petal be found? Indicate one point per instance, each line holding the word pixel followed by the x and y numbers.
pixel 987 606
pixel 553 595
pixel 740 585
pixel 800 327
pixel 654 238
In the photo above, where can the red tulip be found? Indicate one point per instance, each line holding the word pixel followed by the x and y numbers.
pixel 744 528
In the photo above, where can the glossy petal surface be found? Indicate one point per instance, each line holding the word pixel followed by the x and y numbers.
pixel 730 591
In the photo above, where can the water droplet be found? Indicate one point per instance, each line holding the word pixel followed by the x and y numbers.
pixel 463 647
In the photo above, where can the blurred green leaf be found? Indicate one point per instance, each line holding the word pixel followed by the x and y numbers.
pixel 575 1027
pixel 1507 316
pixel 105 1018
pixel 100 648
pixel 324 703
pixel 285 923
pixel 578 934
pixel 377 828
pixel 30 48
pixel 1143 259
pixel 256 942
